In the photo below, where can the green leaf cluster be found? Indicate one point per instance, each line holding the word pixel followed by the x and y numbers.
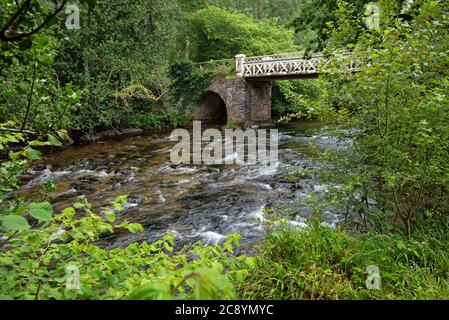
pixel 395 110
pixel 34 263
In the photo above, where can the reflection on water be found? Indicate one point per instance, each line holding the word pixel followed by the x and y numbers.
pixel 193 202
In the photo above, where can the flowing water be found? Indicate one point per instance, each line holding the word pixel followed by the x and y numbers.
pixel 193 202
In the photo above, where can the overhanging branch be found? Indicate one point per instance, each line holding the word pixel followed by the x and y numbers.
pixel 4 34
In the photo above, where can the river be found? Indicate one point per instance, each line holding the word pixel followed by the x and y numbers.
pixel 195 203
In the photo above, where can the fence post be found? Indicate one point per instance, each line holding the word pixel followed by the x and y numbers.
pixel 239 67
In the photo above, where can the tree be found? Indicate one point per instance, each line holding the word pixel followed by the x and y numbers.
pixel 220 34
pixel 260 9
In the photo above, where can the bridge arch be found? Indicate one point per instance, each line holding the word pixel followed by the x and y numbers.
pixel 245 99
pixel 235 101
pixel 212 108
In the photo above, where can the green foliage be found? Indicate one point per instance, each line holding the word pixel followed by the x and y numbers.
pixel 34 264
pixel 21 20
pixel 220 34
pixel 398 104
pixel 122 45
pixel 13 212
pixel 309 22
pixel 321 263
pixel 113 72
pixel 189 83
pixel 297 98
pixel 80 79
pixel 31 94
pixel 42 211
pixel 12 222
pixel 308 18
pixel 346 27
pixel 279 9
pixel 119 70
pixel 204 284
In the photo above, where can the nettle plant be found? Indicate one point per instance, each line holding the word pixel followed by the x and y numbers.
pixel 36 262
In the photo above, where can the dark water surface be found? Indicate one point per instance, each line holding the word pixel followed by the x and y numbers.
pixel 193 202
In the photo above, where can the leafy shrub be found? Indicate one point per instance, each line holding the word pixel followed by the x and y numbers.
pixel 31 94
pixel 122 45
pixel 321 263
pixel 220 34
pixel 12 211
pixel 395 109
pixel 164 119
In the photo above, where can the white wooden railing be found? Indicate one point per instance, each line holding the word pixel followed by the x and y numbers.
pixel 288 64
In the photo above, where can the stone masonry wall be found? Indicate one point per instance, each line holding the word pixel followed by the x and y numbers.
pixel 247 103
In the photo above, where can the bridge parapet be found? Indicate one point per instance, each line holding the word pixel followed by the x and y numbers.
pixel 276 57
pixel 246 99
pixel 293 64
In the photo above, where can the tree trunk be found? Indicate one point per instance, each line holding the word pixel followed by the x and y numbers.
pixel 260 8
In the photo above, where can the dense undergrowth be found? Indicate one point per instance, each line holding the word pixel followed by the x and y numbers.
pixel 321 263
pixel 62 260
pixel 43 253
pixel 316 262
pixel 392 181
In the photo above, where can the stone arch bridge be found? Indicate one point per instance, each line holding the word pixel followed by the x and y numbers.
pixel 245 99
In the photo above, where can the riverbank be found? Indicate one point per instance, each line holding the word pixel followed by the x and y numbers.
pixel 194 202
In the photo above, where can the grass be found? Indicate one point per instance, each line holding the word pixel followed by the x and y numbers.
pixel 321 263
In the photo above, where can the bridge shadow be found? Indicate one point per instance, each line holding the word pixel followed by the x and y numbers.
pixel 212 109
